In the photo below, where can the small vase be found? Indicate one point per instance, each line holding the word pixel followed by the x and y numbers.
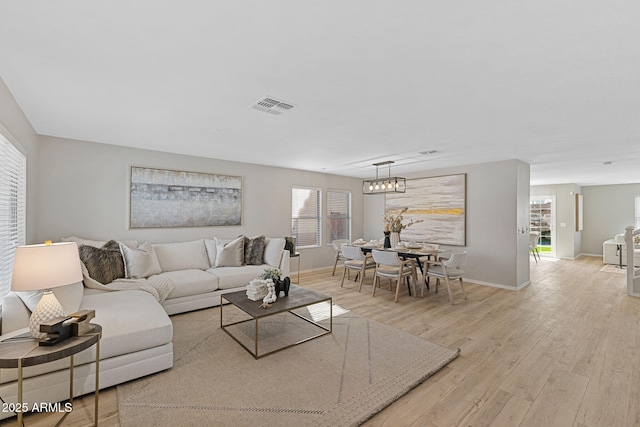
pixel 395 239
pixel 387 242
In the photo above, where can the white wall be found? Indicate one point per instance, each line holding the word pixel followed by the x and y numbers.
pixel 608 210
pixel 568 240
pixel 497 206
pixel 83 190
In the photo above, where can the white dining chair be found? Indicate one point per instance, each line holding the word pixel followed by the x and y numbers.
pixel 391 266
pixel 337 246
pixel 451 269
pixel 356 260
pixel 534 238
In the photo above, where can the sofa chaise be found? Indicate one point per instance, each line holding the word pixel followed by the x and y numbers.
pixel 160 280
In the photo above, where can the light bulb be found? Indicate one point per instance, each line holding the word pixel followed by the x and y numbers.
pixel 370 187
pixel 389 186
pixel 377 186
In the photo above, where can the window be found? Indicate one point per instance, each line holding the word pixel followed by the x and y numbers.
pixel 305 216
pixel 338 215
pixel 13 169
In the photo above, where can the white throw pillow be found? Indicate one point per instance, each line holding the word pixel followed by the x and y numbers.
pixel 273 251
pixel 210 245
pixel 230 254
pixel 182 256
pixel 69 296
pixel 140 262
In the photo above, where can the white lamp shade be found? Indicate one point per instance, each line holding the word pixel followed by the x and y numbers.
pixel 46 266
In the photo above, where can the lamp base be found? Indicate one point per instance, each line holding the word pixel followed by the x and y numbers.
pixel 48 308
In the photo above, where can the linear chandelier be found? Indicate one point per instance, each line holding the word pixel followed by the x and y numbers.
pixel 389 184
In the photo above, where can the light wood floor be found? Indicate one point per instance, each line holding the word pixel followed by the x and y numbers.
pixel 562 352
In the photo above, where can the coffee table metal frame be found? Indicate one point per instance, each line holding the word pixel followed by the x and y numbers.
pixel 298 298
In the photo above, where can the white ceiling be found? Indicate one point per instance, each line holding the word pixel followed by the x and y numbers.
pixel 553 83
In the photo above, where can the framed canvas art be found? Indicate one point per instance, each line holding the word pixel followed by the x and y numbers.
pixel 169 198
pixel 440 202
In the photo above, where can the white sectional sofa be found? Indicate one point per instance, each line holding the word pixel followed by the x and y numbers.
pixel 136 328
pixel 611 254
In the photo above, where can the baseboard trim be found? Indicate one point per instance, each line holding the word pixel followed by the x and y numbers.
pixel 497 285
pixel 476 282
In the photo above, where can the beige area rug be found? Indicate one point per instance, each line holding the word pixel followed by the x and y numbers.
pixel 614 269
pixel 340 379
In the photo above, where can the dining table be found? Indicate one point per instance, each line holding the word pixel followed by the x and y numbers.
pixel 415 252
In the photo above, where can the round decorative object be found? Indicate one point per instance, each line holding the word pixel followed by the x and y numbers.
pixel 48 308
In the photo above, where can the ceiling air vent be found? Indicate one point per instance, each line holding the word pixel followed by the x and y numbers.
pixel 272 106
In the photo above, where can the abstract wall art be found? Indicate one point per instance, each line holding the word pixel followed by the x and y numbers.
pixel 440 202
pixel 169 198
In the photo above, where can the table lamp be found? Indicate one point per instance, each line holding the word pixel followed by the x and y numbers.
pixel 45 267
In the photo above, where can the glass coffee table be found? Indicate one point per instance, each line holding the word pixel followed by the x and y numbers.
pixel 279 325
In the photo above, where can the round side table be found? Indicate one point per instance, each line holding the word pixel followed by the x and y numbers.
pixel 20 354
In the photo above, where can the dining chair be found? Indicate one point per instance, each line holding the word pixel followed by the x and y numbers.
pixel 337 246
pixel 391 266
pixel 422 260
pixel 534 238
pixel 356 260
pixel 451 269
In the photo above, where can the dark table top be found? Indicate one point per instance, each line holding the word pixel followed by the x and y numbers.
pixel 31 353
pixel 298 297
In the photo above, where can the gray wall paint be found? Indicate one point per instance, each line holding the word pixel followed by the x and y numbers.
pixel 497 205
pixel 608 210
pixel 523 216
pixel 83 190
pixel 17 129
pixel 568 240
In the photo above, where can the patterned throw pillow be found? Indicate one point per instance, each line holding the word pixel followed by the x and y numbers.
pixel 104 264
pixel 254 250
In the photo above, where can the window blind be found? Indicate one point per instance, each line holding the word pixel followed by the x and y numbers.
pixel 305 216
pixel 13 188
pixel 338 215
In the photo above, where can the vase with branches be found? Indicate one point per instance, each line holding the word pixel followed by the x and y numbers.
pixel 393 222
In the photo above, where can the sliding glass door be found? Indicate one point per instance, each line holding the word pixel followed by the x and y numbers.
pixel 543 212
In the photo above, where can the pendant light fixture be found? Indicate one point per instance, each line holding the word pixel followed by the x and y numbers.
pixel 389 184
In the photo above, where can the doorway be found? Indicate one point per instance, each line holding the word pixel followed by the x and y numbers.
pixel 542 220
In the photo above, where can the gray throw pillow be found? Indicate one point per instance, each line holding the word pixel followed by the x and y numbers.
pixel 254 250
pixel 230 254
pixel 104 264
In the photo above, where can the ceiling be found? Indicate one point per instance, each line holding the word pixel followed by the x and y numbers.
pixel 554 84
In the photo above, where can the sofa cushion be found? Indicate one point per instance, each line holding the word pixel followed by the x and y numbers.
pixel 254 250
pixel 140 262
pixel 69 296
pixel 182 256
pixel 104 264
pixel 273 251
pixel 131 321
pixel 97 243
pixel 230 254
pixel 233 277
pixel 189 282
